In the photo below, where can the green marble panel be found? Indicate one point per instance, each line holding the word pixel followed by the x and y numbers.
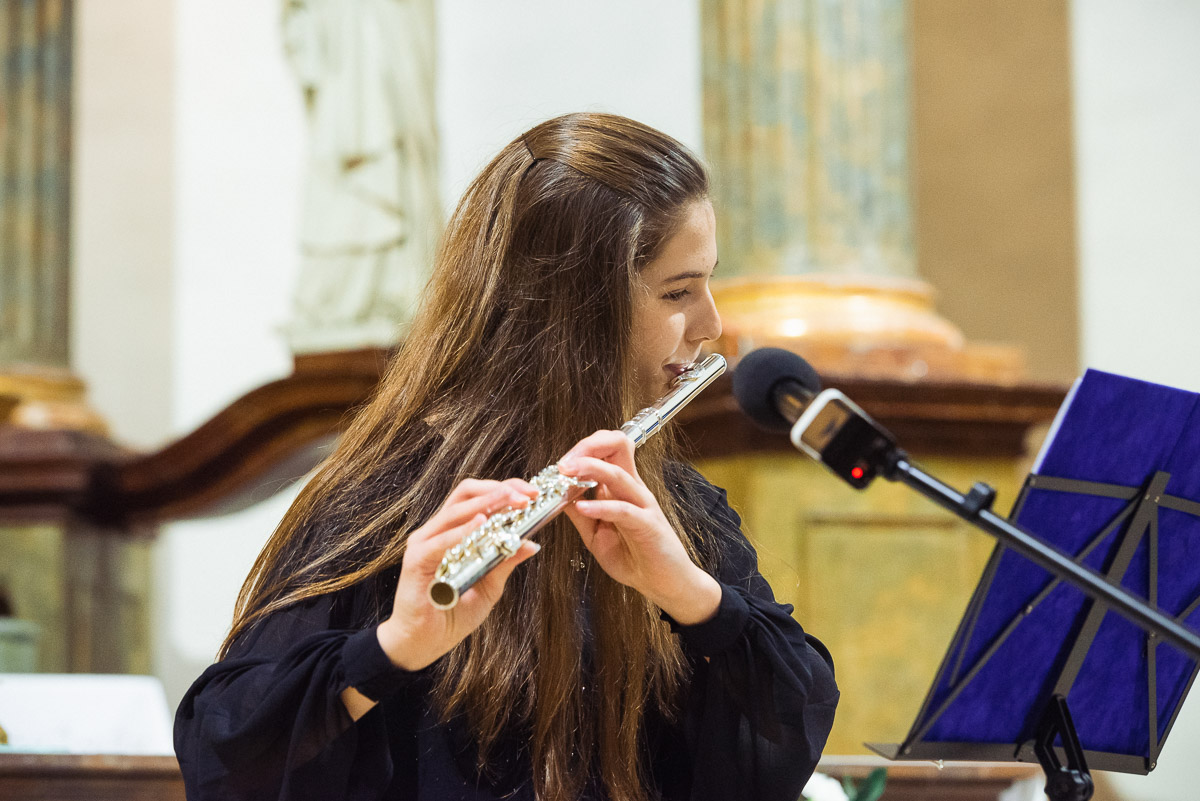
pixel 881 576
pixel 35 146
pixel 32 573
pixel 87 590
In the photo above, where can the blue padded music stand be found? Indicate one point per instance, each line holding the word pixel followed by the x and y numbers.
pixel 1117 486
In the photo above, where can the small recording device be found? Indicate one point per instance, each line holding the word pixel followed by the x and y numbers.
pixel 837 433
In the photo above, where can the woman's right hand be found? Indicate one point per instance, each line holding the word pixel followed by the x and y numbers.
pixel 417 633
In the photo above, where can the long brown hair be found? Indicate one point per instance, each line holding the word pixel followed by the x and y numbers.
pixel 520 349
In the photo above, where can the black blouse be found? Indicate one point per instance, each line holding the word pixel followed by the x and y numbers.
pixel 268 721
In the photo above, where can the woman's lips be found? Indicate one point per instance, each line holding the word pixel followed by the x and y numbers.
pixel 678 369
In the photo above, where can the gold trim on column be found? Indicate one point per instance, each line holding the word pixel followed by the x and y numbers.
pixel 863 326
pixel 46 398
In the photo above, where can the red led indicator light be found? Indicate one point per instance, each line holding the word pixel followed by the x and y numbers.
pixel 857 472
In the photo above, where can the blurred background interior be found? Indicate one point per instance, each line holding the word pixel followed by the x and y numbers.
pixel 216 216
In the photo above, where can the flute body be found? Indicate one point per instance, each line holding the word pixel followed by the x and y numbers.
pixel 499 537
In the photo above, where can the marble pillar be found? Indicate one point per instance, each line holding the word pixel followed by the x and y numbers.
pixel 806 123
pixel 37 389
pixel 806 126
pixel 84 589
pixel 35 88
pixel 807 130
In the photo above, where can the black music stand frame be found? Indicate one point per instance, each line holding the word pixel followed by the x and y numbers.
pixel 1069 781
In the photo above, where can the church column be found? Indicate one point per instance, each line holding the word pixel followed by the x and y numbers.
pixel 37 390
pixel 84 589
pixel 806 121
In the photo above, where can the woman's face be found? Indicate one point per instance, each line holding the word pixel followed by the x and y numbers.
pixel 673 310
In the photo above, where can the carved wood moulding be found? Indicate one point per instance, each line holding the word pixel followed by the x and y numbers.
pixel 141 778
pixel 276 433
pixel 928 781
pixel 90 776
pixel 956 419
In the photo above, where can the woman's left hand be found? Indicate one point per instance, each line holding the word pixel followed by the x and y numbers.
pixel 628 534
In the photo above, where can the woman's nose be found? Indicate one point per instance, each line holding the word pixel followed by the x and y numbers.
pixel 707 325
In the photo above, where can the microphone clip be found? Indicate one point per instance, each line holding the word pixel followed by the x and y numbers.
pixel 840 435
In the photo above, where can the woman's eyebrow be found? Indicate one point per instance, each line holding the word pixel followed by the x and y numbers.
pixel 689 275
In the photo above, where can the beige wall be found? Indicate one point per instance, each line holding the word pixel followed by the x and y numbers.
pixel 122 202
pixel 1136 83
pixel 993 178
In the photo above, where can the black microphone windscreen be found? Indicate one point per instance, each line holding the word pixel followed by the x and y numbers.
pixel 758 374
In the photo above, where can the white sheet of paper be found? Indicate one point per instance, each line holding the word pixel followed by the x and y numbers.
pixel 84 714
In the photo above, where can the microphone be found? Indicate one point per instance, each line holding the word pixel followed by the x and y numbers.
pixel 780 391
pixel 772 386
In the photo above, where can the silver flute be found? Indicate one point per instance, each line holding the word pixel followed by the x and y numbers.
pixel 499 537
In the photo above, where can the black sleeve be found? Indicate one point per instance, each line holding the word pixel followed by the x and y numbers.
pixel 268 721
pixel 763 695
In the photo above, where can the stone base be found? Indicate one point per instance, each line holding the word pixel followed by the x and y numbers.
pixel 48 398
pixel 860 326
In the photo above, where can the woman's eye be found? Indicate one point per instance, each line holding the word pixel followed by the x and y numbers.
pixel 678 294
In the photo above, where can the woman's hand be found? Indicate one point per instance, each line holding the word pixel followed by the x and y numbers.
pixel 417 633
pixel 628 534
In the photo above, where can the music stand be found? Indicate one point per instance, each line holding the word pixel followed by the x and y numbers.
pixel 1035 666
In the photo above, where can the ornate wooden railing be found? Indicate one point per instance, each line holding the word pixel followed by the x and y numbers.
pixel 278 432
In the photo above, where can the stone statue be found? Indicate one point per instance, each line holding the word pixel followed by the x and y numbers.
pixel 371 210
